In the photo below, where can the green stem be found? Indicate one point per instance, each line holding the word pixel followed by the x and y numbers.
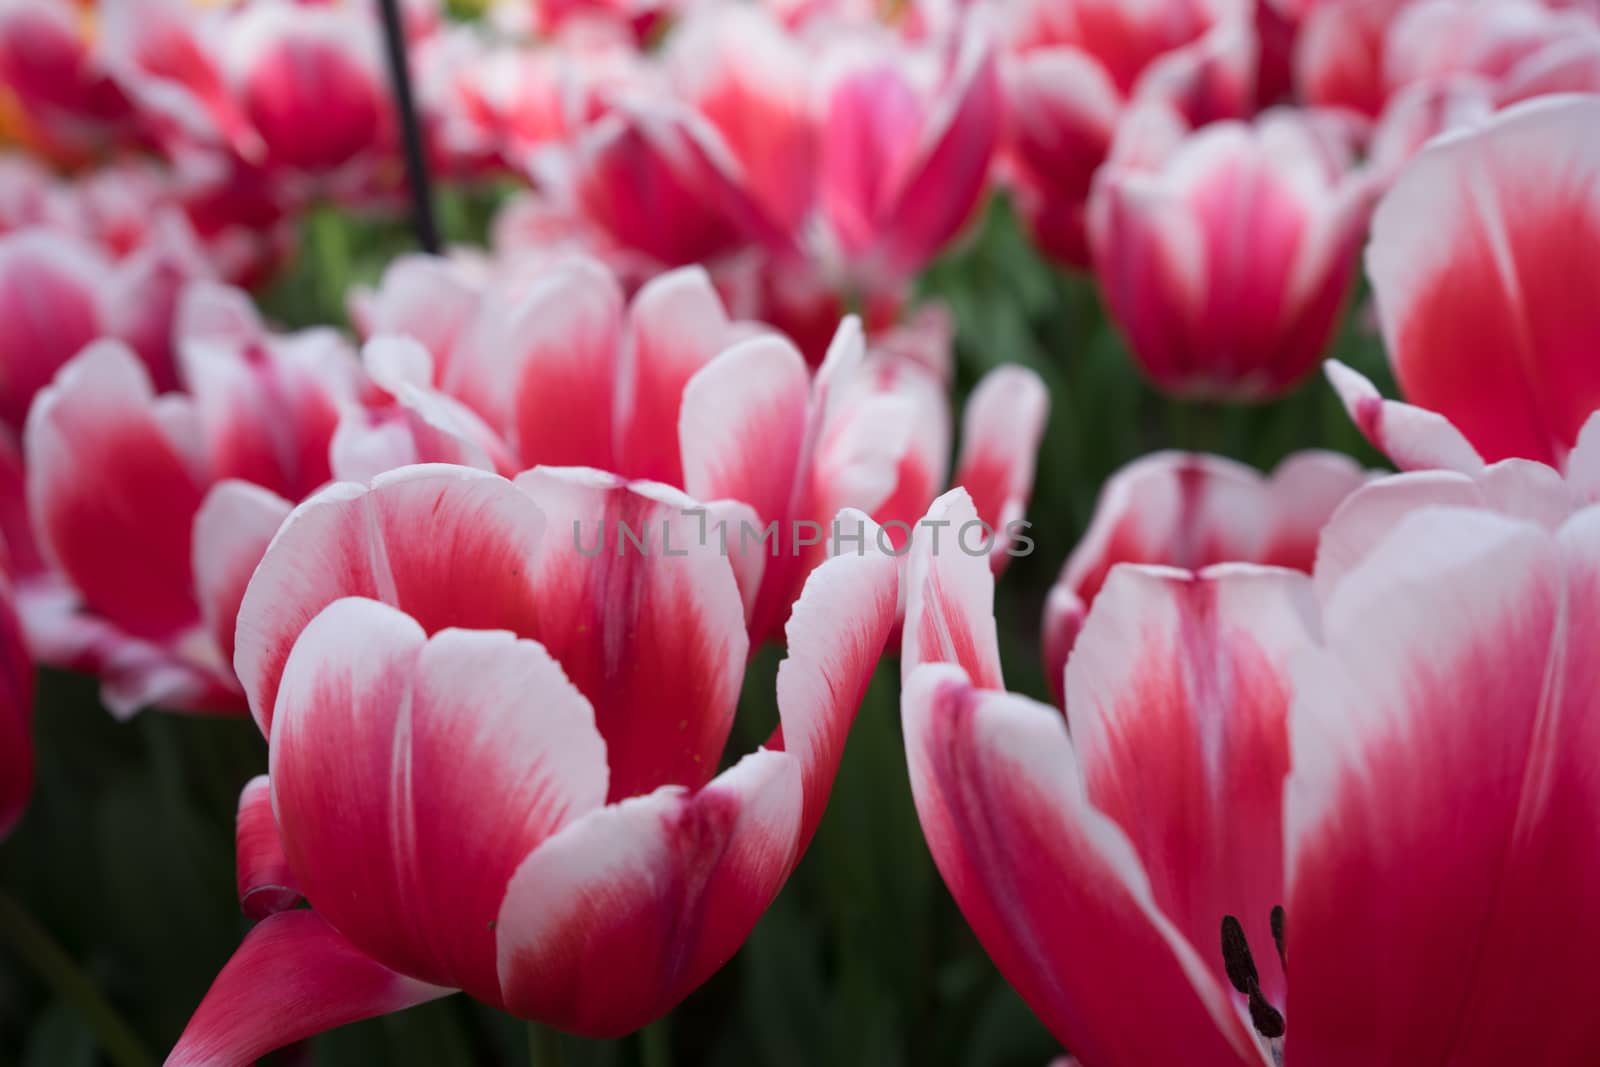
pixel 33 943
pixel 655 1045
pixel 544 1046
pixel 329 237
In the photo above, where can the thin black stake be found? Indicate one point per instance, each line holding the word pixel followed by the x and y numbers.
pixel 416 162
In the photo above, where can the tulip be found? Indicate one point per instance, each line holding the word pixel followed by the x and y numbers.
pixel 857 155
pixel 576 860
pixel 16 711
pixel 1204 311
pixel 1192 511
pixel 69 102
pixel 1071 73
pixel 1248 776
pixel 1474 262
pixel 277 84
pixel 189 486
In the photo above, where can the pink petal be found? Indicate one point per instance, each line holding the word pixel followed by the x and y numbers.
pixel 293 977
pixel 649 176
pixel 450 546
pixel 50 308
pixel 610 923
pixel 269 407
pixel 872 127
pixel 1000 433
pixel 541 361
pixel 751 80
pixel 310 88
pixel 266 884
pixel 411 776
pixel 425 297
pixel 418 424
pixel 742 428
pixel 1413 438
pixel 1441 803
pixel 936 198
pixel 1177 694
pixel 1471 261
pixel 1062 110
pixel 16 713
pixel 949 594
pixel 654 636
pixel 231 532
pixel 112 494
pixel 675 326
pixel 1052 888
pixel 835 636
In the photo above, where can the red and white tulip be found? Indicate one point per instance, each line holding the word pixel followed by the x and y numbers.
pixel 1251 780
pixel 589 694
pixel 1225 255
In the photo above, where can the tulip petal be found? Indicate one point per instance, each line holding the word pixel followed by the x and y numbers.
pixel 266 884
pixel 386 751
pixel 742 424
pixel 1000 433
pixel 113 494
pixel 293 977
pixel 1177 694
pixel 450 546
pixel 960 139
pixel 545 367
pixel 835 636
pixel 50 308
pixel 232 529
pixel 610 923
pixel 269 406
pixel 949 594
pixel 676 325
pixel 1442 846
pixel 642 609
pixel 1053 889
pixel 1472 261
pixel 1413 438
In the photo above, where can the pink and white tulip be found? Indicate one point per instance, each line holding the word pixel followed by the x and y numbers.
pixel 1071 73
pixel 615 869
pixel 70 104
pixel 150 511
pixel 1191 511
pixel 1250 776
pixel 1204 311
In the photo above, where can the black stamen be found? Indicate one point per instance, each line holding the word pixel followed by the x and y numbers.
pixel 1241 969
pixel 1236 958
pixel 1267 1020
pixel 1277 935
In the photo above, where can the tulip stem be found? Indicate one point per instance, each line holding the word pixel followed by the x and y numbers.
pixel 33 943
pixel 655 1045
pixel 544 1046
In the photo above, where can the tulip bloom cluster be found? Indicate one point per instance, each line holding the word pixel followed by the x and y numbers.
pixel 478 566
